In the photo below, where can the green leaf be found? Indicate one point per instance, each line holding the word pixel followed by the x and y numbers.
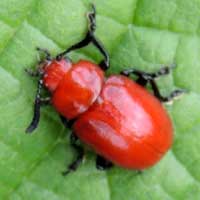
pixel 143 34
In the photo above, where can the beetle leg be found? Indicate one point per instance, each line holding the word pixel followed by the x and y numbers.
pixel 173 95
pixel 73 142
pixel 80 154
pixel 37 105
pixel 104 64
pixel 141 81
pixel 145 77
pixel 66 123
pixel 140 74
pixel 161 72
pixel 45 101
pixel 90 38
pixel 102 163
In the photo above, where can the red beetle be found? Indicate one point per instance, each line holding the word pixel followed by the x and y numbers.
pixel 116 116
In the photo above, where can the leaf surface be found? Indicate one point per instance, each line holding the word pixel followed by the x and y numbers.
pixel 137 33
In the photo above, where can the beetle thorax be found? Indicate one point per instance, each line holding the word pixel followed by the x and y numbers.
pixel 54 72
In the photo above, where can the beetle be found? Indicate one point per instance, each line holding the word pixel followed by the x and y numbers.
pixel 116 116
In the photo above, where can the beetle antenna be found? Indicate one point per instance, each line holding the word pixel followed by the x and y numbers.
pixel 36 117
pixel 46 53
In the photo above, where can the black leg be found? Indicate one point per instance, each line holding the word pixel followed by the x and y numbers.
pixel 67 123
pixel 37 105
pixel 45 101
pixel 102 163
pixel 73 142
pixel 144 78
pixel 169 98
pixel 148 76
pixel 139 172
pixel 104 64
pixel 141 81
pixel 79 45
pixel 90 38
pixel 80 154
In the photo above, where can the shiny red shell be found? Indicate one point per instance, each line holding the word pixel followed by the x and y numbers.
pixel 54 73
pixel 118 118
pixel 126 125
pixel 74 87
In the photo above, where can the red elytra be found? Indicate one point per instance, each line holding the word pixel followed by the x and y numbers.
pixel 124 123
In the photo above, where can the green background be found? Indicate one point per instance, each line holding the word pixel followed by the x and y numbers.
pixel 146 34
